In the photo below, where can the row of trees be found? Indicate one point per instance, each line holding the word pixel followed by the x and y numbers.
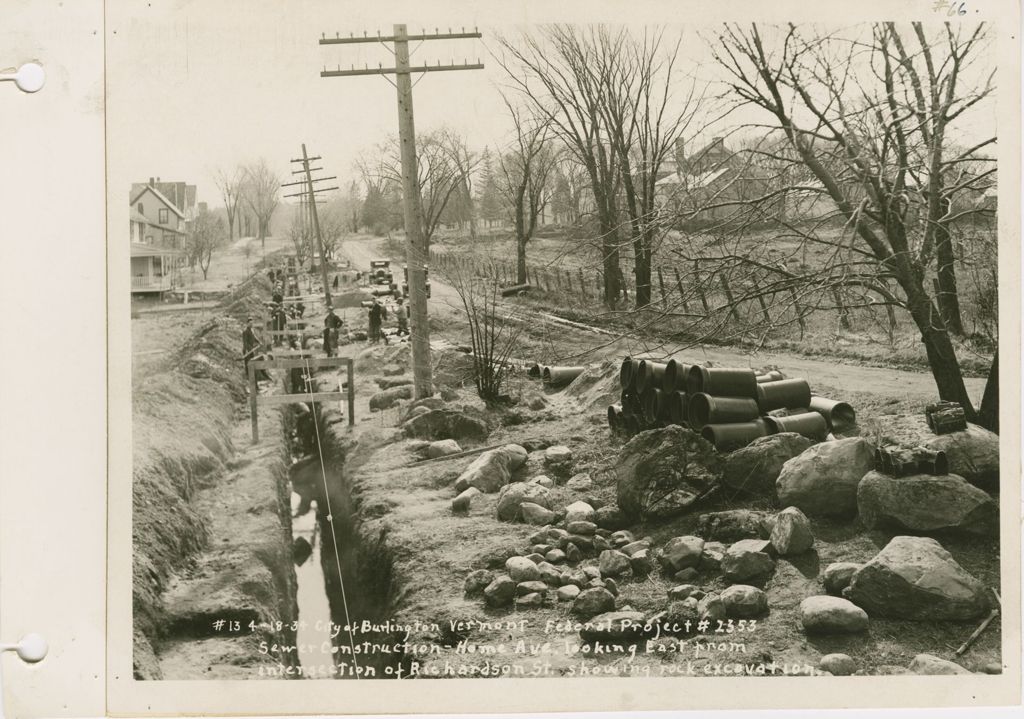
pixel 251 194
pixel 866 125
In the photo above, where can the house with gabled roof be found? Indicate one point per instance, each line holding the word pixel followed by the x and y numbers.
pixel 157 230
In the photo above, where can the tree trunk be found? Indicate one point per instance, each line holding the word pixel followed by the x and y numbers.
pixel 942 359
pixel 520 258
pixel 642 274
pixel 948 297
pixel 988 415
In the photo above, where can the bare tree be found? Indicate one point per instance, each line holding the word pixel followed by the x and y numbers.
pixel 301 235
pixel 866 121
pixel 553 70
pixel 643 122
pixel 493 333
pixel 230 185
pixel 438 174
pixel 525 171
pixel 466 162
pixel 260 191
pixel 206 236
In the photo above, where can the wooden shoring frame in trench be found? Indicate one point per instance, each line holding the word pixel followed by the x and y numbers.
pixel 311 363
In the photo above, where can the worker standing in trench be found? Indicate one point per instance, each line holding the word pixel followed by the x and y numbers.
pixel 250 343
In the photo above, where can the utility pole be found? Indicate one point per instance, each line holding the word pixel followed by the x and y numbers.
pixel 415 247
pixel 309 195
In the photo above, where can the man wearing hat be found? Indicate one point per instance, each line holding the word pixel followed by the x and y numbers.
pixel 332 323
pixel 250 343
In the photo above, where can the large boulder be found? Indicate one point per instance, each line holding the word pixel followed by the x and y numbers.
pixel 388 398
pixel 681 553
pixel 839 665
pixel 446 424
pixel 579 511
pixel 836 576
pixel 733 524
pixel 462 502
pixel 915 578
pixel 744 602
pixel 558 458
pixel 791 533
pixel 753 469
pixel 922 503
pixel 746 560
pixel 593 601
pixel 930 664
pixel 521 569
pixel 500 592
pixel 513 496
pixel 442 448
pixel 973 454
pixel 613 563
pixel 825 614
pixel 491 471
pixel 823 480
pixel 536 514
pixel 662 472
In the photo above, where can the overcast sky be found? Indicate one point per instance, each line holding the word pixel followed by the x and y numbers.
pixel 193 87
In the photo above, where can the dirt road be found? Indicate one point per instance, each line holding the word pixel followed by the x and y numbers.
pixel 593 346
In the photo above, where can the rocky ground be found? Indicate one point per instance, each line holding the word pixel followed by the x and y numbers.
pixel 538 555
pixel 498 558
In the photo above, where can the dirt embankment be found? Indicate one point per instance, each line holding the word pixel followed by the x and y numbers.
pixel 211 522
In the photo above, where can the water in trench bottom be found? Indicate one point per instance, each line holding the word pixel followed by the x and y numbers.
pixel 313 638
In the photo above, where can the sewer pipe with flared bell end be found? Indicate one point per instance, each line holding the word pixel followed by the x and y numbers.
pixel 839 416
pixel 809 424
pixel 783 394
pixel 702 409
pixel 727 437
pixel 722 382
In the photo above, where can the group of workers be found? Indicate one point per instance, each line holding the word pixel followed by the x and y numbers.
pixel 281 314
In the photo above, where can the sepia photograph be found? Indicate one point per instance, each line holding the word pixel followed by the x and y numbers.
pixel 644 347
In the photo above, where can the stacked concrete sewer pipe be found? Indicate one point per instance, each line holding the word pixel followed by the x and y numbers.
pixel 730 407
pixel 554 376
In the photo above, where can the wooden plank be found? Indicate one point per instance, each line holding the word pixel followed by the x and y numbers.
pixel 351 394
pixel 253 394
pixel 301 397
pixel 311 363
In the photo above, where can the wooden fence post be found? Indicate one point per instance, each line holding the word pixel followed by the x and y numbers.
pixel 844 315
pixel 700 289
pixel 679 286
pixel 728 295
pixel 799 312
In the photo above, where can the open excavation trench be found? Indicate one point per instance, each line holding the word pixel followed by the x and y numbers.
pixel 347 637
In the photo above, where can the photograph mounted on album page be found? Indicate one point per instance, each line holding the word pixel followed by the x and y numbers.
pixel 582 357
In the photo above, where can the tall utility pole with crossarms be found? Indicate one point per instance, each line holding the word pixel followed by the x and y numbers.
pixel 415 246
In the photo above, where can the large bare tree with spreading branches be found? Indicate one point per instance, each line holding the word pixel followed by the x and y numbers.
pixel 261 192
pixel 524 179
pixel 231 184
pixel 867 119
pixel 552 69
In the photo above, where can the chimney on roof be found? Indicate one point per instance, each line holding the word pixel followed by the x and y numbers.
pixel 151 182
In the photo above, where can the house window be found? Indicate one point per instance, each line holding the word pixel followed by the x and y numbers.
pixel 139 208
pixel 163 217
pixel 149 239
